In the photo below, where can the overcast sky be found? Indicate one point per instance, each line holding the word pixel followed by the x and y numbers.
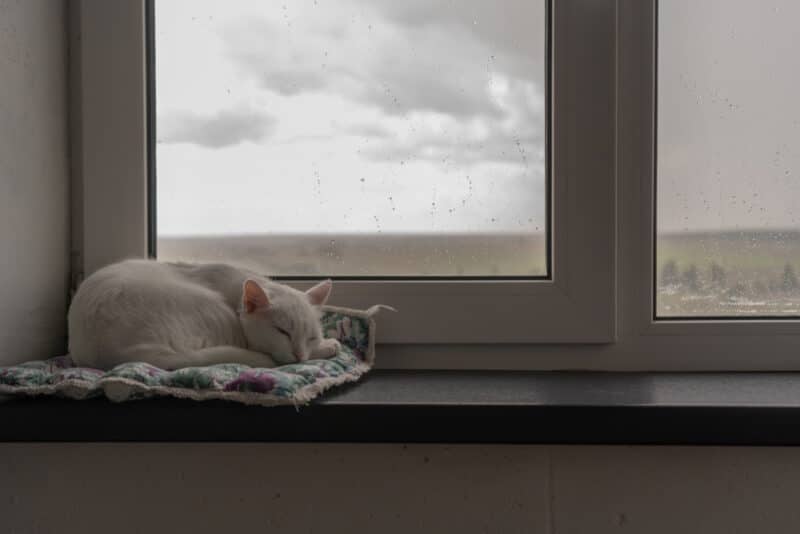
pixel 729 114
pixel 350 115
pixel 428 115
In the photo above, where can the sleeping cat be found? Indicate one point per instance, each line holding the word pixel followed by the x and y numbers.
pixel 175 315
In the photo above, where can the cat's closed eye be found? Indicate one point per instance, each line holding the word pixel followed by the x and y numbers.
pixel 282 331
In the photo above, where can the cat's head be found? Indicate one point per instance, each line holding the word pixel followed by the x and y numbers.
pixel 282 321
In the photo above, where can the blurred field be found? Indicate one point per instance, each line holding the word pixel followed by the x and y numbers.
pixel 728 274
pixel 369 254
pixel 699 274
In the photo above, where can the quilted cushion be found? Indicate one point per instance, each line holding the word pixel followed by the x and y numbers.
pixel 295 383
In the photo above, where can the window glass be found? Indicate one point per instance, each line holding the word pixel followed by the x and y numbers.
pixel 728 172
pixel 353 137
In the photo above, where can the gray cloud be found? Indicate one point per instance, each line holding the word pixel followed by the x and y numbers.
pixel 225 128
pixel 517 138
pixel 290 82
pixel 420 56
pixel 402 83
pixel 511 29
pixel 452 52
pixel 509 24
pixel 423 57
pixel 251 43
pixel 500 147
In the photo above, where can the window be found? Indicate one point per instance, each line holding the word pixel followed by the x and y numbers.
pixel 728 199
pixel 353 138
pixel 574 302
pixel 610 202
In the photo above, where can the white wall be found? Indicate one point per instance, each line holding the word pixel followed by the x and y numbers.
pixel 386 489
pixel 34 186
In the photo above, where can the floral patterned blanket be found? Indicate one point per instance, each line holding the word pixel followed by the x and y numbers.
pixel 296 383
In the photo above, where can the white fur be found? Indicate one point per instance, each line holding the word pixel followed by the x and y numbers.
pixel 174 315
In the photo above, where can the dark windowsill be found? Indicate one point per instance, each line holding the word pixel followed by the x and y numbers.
pixel 453 406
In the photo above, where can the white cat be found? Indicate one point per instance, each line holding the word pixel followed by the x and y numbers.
pixel 175 315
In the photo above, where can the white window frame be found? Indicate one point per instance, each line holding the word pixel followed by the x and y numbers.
pixel 576 305
pixel 595 313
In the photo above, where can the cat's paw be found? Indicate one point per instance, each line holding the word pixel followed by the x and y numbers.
pixel 327 348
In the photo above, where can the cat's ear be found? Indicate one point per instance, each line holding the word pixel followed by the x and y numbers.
pixel 319 294
pixel 253 296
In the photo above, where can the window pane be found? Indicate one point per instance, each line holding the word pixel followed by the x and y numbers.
pixel 728 240
pixel 353 137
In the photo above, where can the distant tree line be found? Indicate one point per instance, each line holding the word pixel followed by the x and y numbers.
pixel 717 279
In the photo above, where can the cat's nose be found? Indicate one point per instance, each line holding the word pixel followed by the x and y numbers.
pixel 300 357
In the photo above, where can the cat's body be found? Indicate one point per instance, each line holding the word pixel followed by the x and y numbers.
pixel 183 315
